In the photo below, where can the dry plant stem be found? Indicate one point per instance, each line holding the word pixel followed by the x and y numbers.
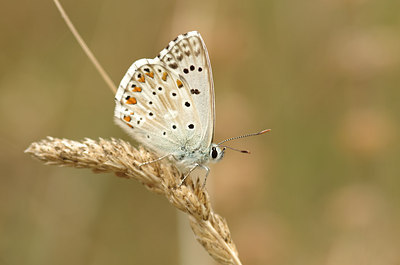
pixel 85 48
pixel 162 177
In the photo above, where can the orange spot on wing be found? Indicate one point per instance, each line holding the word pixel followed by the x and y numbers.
pixel 151 74
pixel 132 113
pixel 164 76
pixel 127 118
pixel 141 79
pixel 129 125
pixel 131 100
pixel 137 89
pixel 179 83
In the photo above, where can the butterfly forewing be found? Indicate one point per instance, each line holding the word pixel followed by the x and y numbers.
pixel 167 103
pixel 187 56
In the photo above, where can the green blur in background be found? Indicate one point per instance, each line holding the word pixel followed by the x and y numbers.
pixel 322 188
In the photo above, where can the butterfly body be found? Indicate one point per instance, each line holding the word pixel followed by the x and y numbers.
pixel 167 103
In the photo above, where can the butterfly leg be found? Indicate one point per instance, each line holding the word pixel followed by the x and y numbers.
pixel 187 174
pixel 191 170
pixel 207 172
pixel 152 161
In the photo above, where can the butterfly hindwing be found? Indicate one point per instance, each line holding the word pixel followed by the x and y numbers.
pixel 154 106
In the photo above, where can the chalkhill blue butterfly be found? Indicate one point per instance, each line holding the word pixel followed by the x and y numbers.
pixel 167 104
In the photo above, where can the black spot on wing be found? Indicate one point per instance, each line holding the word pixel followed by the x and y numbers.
pixel 194 91
pixel 173 65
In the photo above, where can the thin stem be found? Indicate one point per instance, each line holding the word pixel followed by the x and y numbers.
pixel 85 48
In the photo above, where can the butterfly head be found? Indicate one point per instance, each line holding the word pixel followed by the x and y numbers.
pixel 216 153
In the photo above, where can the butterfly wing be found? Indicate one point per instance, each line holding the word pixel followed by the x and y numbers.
pixel 187 56
pixel 167 103
pixel 155 109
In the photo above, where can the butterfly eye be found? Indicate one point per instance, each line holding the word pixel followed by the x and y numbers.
pixel 214 153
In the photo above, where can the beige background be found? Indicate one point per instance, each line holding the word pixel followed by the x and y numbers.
pixel 321 188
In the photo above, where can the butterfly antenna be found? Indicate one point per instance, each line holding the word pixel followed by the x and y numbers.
pixel 85 48
pixel 244 136
pixel 234 149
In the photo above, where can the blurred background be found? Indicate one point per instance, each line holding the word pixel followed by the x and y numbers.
pixel 322 188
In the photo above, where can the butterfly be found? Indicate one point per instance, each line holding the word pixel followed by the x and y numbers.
pixel 167 104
